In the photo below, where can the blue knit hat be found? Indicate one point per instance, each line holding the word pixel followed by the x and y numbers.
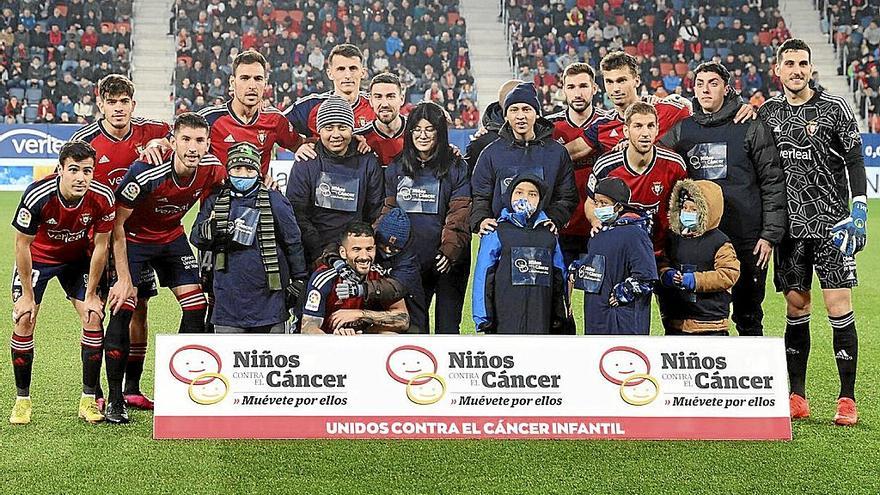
pixel 523 93
pixel 393 229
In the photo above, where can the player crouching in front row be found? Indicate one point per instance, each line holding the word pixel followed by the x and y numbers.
pixel 258 254
pixel 325 312
pixel 53 222
pixel 153 200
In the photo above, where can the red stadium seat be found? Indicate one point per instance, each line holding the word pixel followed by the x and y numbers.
pixel 666 68
pixel 681 69
pixel 452 17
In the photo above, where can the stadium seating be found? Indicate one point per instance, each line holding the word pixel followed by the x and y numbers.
pixel 683 34
pixel 853 29
pixel 302 33
pixel 73 36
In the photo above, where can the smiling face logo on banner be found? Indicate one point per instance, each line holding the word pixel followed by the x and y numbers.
pixel 631 369
pixel 416 367
pixel 199 367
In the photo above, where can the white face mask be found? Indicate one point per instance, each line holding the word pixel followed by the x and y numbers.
pixel 605 214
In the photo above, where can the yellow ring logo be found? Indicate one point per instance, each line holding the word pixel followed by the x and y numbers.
pixel 205 399
pixel 631 396
pixel 422 400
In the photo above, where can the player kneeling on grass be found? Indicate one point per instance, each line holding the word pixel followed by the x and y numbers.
pixel 699 267
pixel 619 270
pixel 53 222
pixel 519 282
pixel 325 312
pixel 259 271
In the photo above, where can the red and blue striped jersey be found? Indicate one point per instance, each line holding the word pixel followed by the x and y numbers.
pixel 61 231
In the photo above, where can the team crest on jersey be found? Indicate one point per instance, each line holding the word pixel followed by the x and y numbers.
pixel 314 301
pixel 811 127
pixel 261 137
pixel 657 188
pixel 131 191
pixel 24 218
pixel 85 218
pixel 140 149
pixel 362 122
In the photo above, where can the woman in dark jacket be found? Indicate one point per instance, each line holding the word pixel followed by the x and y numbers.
pixel 430 183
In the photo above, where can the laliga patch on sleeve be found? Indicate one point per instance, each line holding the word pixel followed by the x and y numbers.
pixel 23 219
pixel 314 300
pixel 591 183
pixel 131 191
pixel 109 217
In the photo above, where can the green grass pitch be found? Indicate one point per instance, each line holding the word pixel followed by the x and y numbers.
pixel 57 453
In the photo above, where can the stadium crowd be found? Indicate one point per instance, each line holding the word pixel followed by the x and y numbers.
pixel 854 30
pixel 423 43
pixel 53 53
pixel 669 39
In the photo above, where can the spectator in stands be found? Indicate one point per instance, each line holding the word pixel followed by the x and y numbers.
pixel 45 111
pixel 14 111
pixel 64 107
pixel 84 109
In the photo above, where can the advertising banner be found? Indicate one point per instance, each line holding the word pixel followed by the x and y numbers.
pixel 267 386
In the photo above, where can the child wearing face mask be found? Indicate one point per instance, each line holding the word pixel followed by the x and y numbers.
pixel 519 284
pixel 259 269
pixel 699 266
pixel 619 270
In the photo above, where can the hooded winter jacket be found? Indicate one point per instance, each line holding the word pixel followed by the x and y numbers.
pixel 708 253
pixel 506 158
pixel 519 286
pixel 743 160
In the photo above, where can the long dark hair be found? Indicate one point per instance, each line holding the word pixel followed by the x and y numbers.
pixel 441 160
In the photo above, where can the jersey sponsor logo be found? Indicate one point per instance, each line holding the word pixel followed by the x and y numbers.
pixel 65 235
pixel 119 172
pixel 51 221
pixel 613 133
pixel 229 139
pixel 171 209
pixel 314 300
pixel 104 159
pixel 796 154
pixel 85 218
pixel 23 218
pixel 131 191
pixel 842 355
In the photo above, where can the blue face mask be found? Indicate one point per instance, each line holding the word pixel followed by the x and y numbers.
pixel 522 210
pixel 605 214
pixel 689 219
pixel 242 184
